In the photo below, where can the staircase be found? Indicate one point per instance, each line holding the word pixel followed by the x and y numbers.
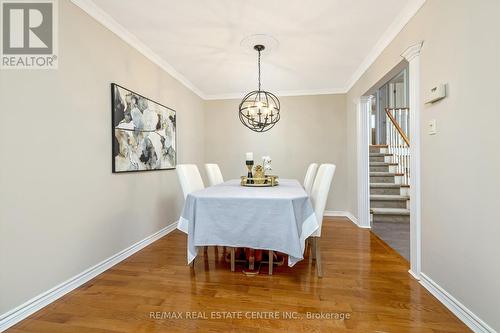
pixel 389 195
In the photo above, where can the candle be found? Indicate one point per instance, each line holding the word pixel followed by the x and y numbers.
pixel 249 156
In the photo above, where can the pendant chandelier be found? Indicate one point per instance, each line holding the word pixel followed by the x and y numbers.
pixel 259 110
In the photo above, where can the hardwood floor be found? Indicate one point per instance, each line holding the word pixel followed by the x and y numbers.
pixel 363 279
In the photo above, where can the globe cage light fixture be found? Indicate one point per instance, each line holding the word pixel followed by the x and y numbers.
pixel 259 110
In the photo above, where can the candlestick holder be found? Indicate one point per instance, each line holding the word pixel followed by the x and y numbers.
pixel 249 175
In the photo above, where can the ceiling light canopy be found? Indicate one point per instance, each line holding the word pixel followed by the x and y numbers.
pixel 259 110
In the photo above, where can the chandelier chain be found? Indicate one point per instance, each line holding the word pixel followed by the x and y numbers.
pixel 259 70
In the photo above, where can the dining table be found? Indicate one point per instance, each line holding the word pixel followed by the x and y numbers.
pixel 278 218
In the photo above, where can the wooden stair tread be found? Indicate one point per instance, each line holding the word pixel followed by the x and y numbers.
pixel 379 146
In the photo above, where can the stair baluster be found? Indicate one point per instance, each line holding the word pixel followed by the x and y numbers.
pixel 398 141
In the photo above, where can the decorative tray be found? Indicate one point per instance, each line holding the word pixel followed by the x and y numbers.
pixel 267 181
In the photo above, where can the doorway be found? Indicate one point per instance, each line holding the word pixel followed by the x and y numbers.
pixel 365 120
pixel 389 155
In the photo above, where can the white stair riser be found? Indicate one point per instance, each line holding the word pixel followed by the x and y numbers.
pixel 405 191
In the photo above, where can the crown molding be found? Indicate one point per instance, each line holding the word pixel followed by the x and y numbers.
pixel 412 51
pixel 283 93
pixel 394 29
pixel 107 21
pixel 110 23
pixel 365 99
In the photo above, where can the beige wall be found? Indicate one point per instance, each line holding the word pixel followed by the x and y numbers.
pixel 61 209
pixel 460 165
pixel 311 129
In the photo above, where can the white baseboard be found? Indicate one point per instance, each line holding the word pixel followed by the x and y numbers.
pixel 21 312
pixel 461 311
pixel 341 213
pixel 415 275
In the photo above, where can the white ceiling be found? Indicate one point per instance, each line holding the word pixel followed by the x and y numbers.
pixel 324 45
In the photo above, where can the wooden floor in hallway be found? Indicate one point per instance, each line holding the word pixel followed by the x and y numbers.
pixel 365 282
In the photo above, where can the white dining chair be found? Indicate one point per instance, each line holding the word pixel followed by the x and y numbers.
pixel 214 174
pixel 190 178
pixel 191 181
pixel 319 197
pixel 310 175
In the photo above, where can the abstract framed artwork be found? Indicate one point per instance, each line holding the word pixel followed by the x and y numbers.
pixel 144 133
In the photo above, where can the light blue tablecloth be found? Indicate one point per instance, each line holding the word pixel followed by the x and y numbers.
pixel 276 218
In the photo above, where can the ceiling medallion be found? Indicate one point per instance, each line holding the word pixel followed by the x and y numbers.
pixel 259 110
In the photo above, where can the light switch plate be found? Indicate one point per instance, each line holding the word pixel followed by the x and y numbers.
pixel 432 127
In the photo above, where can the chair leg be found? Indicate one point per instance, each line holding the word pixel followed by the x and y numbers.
pixel 310 255
pixel 306 247
pixel 318 257
pixel 251 262
pixel 312 249
pixel 232 259
pixel 271 257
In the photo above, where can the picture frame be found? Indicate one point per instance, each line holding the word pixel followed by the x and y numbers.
pixel 144 132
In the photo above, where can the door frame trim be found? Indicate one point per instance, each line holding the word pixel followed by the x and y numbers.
pixel 363 107
pixel 363 111
pixel 412 55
